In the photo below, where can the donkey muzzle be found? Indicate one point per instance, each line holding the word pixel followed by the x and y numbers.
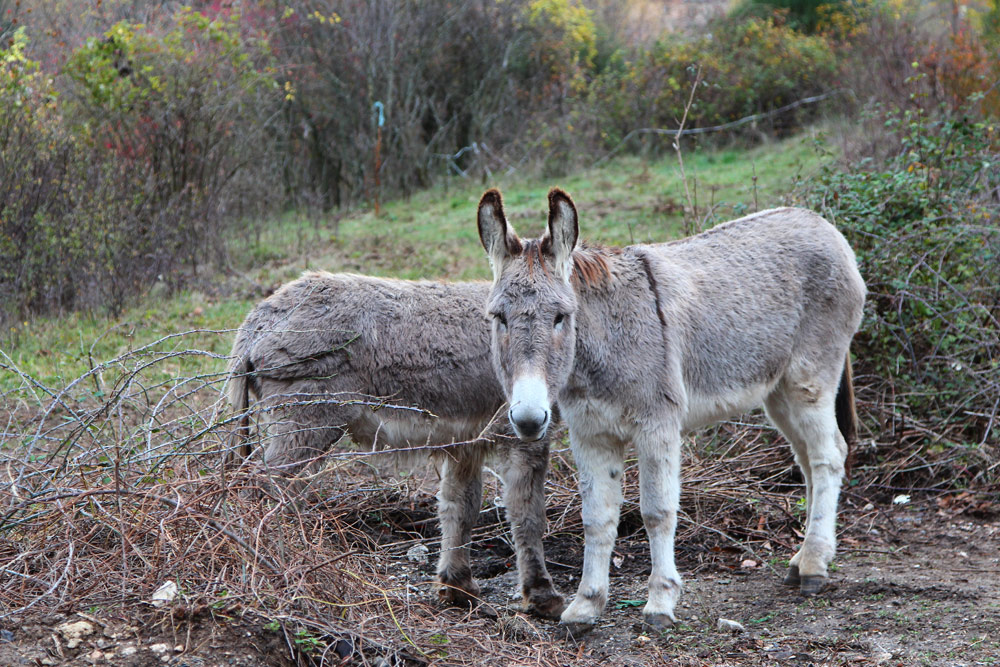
pixel 530 411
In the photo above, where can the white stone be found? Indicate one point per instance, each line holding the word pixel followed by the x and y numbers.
pixel 727 625
pixel 75 629
pixel 418 554
pixel 164 594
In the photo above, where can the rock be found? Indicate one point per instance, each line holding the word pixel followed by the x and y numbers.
pixel 164 594
pixel 159 648
pixel 418 554
pixel 6 636
pixel 727 625
pixel 128 651
pixel 75 629
pixel 74 632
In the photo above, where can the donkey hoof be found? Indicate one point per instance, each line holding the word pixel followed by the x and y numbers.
pixel 659 622
pixel 792 578
pixel 812 584
pixel 546 605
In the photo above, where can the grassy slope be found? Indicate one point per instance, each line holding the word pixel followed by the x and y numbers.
pixel 430 235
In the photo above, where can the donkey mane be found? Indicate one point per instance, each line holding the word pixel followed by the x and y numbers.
pixel 591 266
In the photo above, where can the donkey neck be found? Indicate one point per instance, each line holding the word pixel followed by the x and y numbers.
pixel 621 333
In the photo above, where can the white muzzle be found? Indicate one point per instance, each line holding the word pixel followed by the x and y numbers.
pixel 530 410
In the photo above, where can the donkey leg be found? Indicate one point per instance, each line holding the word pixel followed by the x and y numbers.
pixel 524 497
pixel 459 500
pixel 793 576
pixel 820 449
pixel 659 499
pixel 777 408
pixel 599 468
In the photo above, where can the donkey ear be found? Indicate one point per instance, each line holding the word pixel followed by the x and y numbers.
pixel 563 230
pixel 496 234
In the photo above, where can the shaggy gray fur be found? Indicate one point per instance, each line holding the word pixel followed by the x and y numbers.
pixel 644 343
pixel 395 364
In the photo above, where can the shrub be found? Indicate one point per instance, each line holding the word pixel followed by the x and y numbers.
pixel 181 107
pixel 746 66
pixel 450 76
pixel 804 15
pixel 129 166
pixel 963 66
pixel 925 227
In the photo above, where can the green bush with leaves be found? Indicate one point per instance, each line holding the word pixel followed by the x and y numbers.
pixel 804 15
pixel 926 228
pixel 132 163
pixel 182 106
pixel 34 165
pixel 743 67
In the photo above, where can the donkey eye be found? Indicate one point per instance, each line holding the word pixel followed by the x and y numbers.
pixel 558 324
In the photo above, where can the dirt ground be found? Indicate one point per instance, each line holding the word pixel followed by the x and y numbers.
pixel 916 585
pixel 916 590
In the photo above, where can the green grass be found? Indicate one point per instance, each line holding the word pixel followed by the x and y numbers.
pixel 55 351
pixel 429 235
pixel 433 234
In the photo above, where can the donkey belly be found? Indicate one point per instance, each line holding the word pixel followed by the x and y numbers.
pixel 390 428
pixel 707 409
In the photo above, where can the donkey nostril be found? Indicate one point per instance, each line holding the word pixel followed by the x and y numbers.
pixel 530 422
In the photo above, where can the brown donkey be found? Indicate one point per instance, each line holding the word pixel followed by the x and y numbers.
pixel 394 365
pixel 645 343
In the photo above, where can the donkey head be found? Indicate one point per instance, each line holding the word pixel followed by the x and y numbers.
pixel 533 307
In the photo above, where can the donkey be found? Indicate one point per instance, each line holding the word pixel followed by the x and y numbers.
pixel 644 343
pixel 395 365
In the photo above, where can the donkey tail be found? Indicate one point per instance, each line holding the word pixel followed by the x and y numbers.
pixel 238 390
pixel 847 416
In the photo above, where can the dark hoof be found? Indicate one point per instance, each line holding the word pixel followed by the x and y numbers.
pixel 792 578
pixel 659 622
pixel 546 605
pixel 812 584
pixel 465 594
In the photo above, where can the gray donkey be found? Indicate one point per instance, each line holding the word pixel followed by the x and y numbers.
pixel 644 343
pixel 395 364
